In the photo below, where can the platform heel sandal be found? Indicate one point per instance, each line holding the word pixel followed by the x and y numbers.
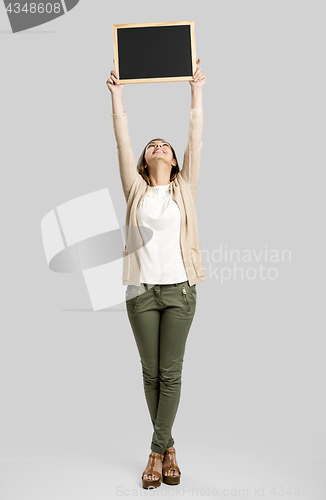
pixel 173 480
pixel 153 483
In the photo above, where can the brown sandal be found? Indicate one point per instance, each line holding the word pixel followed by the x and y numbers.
pixel 154 483
pixel 173 466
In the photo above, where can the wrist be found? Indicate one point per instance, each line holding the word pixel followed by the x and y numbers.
pixel 117 104
pixel 196 99
pixel 196 90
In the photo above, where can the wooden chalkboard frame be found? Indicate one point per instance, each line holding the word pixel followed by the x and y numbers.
pixel 116 27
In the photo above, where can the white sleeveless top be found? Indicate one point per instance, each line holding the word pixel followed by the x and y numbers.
pixel 161 257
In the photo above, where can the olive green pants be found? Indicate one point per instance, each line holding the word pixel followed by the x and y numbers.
pixel 160 317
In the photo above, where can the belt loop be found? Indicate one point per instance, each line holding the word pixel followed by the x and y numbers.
pixel 145 285
pixel 175 284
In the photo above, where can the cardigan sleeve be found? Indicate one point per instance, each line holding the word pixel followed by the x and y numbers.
pixel 127 164
pixel 191 159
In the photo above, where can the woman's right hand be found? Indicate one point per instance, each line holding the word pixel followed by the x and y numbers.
pixel 113 83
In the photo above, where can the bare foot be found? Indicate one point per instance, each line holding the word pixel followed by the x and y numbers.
pixel 157 467
pixel 171 459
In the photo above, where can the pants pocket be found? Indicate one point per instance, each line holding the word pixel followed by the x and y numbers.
pixel 134 305
pixel 131 296
pixel 185 298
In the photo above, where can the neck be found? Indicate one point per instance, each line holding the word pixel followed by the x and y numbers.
pixel 157 182
pixel 159 177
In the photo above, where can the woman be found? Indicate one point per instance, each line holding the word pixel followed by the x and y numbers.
pixel 162 265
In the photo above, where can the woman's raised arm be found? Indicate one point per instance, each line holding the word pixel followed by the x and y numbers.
pixel 127 164
pixel 197 84
pixel 116 93
pixel 191 159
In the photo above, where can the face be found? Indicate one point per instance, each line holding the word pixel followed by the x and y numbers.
pixel 159 149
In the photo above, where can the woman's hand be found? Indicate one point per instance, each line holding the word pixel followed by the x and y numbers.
pixel 113 83
pixel 199 78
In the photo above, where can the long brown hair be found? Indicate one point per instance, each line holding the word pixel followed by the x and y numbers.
pixel 141 163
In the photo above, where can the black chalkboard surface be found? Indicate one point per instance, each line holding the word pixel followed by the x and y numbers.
pixel 154 52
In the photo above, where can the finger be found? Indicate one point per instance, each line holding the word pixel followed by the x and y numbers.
pixel 112 81
pixel 198 75
pixel 115 80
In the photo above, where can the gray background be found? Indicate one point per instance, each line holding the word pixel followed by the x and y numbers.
pixel 74 422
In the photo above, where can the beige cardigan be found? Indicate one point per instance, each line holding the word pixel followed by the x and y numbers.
pixel 183 192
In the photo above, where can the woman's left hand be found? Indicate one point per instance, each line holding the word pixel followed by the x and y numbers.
pixel 199 78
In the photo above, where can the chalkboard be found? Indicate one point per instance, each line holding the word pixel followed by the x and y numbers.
pixel 154 52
